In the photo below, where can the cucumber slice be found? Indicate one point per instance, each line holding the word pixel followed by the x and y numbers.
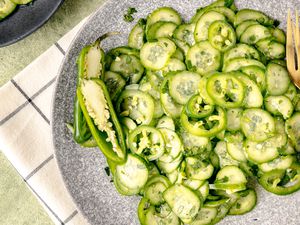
pixel 114 83
pixel 173 145
pixel 151 31
pixel 227 12
pixel 205 216
pixel 271 49
pixel 280 62
pixel 137 105
pixel 6 8
pixel 261 152
pixel 243 26
pixel 234 119
pixel 165 30
pixel 236 151
pixel 185 32
pixel 133 174
pixel 129 67
pixel 201 29
pixel 178 54
pixel 291 93
pixel 161 29
pixel 183 46
pixel 279 106
pixel 241 51
pixel 171 108
pixel 292 127
pixel 253 97
pixel 193 184
pixel 155 55
pixel 254 33
pixel 203 58
pixel 164 14
pixel 230 175
pixel 137 34
pixel 250 14
pixel 224 158
pixel 166 122
pixel 195 145
pixel 245 203
pixel 202 89
pixel 257 74
pixel 204 190
pixel 154 218
pixel 123 190
pixel 154 188
pixel 219 3
pixel 169 167
pixel 197 169
pixel 279 35
pixel 215 203
pixel 277 78
pixel 183 202
pixel 257 124
pixel 238 63
pixel 173 176
pixel 183 85
pixel 223 209
pixel 173 65
pixel 230 178
pixel 280 163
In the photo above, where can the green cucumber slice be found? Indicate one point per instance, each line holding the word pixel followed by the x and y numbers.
pixel 254 33
pixel 183 85
pixel 203 58
pixel 201 29
pixel 245 203
pixel 183 201
pixel 277 79
pixel 257 124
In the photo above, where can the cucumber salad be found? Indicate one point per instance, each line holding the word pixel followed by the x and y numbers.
pixel 191 113
pixel 7 7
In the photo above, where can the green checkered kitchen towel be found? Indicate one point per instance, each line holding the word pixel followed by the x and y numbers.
pixel 25 137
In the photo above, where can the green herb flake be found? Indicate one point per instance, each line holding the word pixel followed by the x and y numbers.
pixel 128 16
pixel 238 205
pixel 223 180
pixel 107 171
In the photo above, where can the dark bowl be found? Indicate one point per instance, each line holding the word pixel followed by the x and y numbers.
pixel 26 19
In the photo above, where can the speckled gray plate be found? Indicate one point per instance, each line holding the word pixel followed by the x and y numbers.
pixel 83 169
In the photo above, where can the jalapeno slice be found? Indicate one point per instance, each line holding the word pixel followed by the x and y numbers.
pixel 282 182
pixel 207 126
pixel 197 108
pixel 147 142
pixel 221 35
pixel 137 105
pixel 226 90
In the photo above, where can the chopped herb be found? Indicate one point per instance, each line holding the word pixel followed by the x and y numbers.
pixel 223 180
pixel 238 205
pixel 107 171
pixel 276 23
pixel 128 16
